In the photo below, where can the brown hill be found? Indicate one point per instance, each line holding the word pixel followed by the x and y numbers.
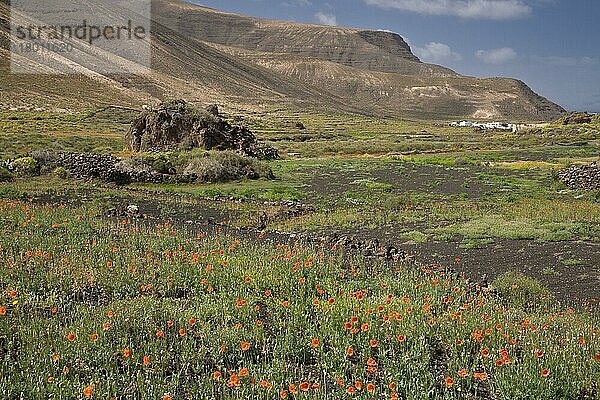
pixel 209 56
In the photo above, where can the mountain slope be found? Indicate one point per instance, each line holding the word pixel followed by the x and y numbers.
pixel 207 56
pixel 371 50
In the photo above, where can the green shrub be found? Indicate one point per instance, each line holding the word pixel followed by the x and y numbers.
pixel 5 175
pixel 25 166
pixel 206 169
pixel 523 292
pixel 226 166
pixel 61 173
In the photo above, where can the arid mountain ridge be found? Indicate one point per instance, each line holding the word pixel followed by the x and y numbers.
pixel 239 62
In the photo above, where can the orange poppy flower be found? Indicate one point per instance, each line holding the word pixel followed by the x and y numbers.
pixel 240 303
pixel 127 353
pixel 2 311
pixel 283 394
pixel 146 360
pixel 349 351
pixel 597 357
pixel 315 342
pixel 370 388
pixel 217 375
pixel 545 372
pixel 110 314
pixel 192 321
pixel 167 397
pixel 160 334
pixel 304 386
pixel 285 303
pixel 292 388
pixel 373 343
pixel 106 326
pixel 485 353
pixel 401 338
pixel 354 319
pixel 539 353
pixel 364 327
pixel 482 376
pixel 87 392
pixel 351 390
pixel 245 346
pixel 463 373
pixel 182 332
pixel 234 380
pixel 358 385
pixel 244 372
pixel 94 337
pixel 71 337
pixel 449 382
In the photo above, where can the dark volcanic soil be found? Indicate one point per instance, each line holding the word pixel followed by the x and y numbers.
pixel 551 263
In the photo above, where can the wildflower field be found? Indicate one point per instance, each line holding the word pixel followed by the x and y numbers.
pixel 107 309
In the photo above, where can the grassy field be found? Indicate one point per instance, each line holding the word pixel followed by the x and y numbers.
pixel 120 310
pixel 161 309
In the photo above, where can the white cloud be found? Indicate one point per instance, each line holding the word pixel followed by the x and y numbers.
pixel 326 19
pixel 297 3
pixel 436 52
pixel 496 56
pixel 559 61
pixel 476 9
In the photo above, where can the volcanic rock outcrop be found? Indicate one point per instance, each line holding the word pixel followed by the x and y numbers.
pixel 177 125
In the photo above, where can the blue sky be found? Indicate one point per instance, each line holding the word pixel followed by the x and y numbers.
pixel 552 45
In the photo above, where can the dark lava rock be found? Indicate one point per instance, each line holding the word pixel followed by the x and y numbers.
pixel 176 124
pixel 585 177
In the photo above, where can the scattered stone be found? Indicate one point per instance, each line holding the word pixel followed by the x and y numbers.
pixel 586 177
